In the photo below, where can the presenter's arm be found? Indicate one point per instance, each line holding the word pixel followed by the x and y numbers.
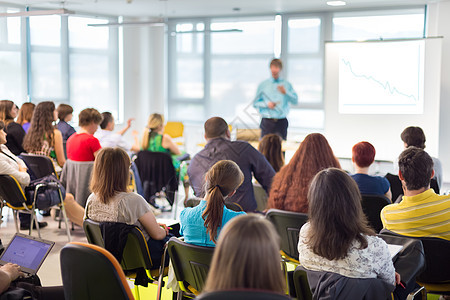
pixel 259 102
pixel 291 95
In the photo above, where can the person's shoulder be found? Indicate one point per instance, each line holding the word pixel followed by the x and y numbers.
pixel 131 196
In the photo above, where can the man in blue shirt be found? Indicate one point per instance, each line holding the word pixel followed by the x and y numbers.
pixel 272 101
pixel 219 147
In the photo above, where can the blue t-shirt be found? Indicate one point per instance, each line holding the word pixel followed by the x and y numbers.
pixel 193 226
pixel 371 185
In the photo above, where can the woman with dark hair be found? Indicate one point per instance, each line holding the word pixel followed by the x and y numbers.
pixel 14 166
pixel 247 257
pixel 111 201
pixel 8 112
pixel 43 138
pixel 201 224
pixel 25 115
pixel 337 237
pixel 65 114
pixel 363 155
pixel 270 147
pixel 290 185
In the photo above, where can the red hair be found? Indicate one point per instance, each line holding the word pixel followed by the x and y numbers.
pixel 363 154
pixel 290 185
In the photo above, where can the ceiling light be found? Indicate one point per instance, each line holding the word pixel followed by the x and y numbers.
pixel 137 23
pixel 336 3
pixel 32 13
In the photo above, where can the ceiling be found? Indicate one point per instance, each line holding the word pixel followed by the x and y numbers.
pixel 190 8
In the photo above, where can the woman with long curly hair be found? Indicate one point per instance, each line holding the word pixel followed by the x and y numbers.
pixel 43 138
pixel 290 185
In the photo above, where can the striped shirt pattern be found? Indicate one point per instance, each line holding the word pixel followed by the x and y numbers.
pixel 424 215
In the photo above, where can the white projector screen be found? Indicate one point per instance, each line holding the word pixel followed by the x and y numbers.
pixel 382 129
pixel 381 77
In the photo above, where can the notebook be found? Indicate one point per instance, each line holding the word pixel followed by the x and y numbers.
pixel 27 251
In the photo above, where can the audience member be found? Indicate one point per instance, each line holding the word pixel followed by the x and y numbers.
pixel 421 213
pixel 363 155
pixel 65 112
pixel 108 138
pixel 219 147
pixel 42 137
pixel 200 225
pixel 25 115
pixel 14 166
pixel 414 136
pixel 155 140
pixel 337 237
pixel 8 112
pixel 290 185
pixel 11 289
pixel 110 200
pixel 270 147
pixel 83 146
pixel 247 257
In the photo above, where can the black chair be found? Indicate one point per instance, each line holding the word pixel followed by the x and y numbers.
pixel 11 192
pixel 242 295
pixel 328 285
pixel 40 165
pixel 190 264
pixel 372 206
pixel 301 285
pixel 436 274
pixel 135 256
pixel 288 226
pixel 157 174
pixel 91 272
pixel 397 190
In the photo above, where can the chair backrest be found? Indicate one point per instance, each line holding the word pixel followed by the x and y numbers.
pixel 436 251
pixel 372 206
pixel 91 272
pixel 190 263
pixel 242 294
pixel 93 232
pixel 302 290
pixel 396 185
pixel 174 129
pixel 11 192
pixel 75 176
pixel 287 224
pixel 156 172
pixel 328 285
pixel 136 253
pixel 40 165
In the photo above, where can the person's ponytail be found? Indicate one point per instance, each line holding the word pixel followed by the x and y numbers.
pixel 213 212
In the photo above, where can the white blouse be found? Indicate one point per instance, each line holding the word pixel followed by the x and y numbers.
pixel 372 262
pixel 9 165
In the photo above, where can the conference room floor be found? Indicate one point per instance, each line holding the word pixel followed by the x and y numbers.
pixel 50 271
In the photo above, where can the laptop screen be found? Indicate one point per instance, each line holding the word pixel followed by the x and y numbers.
pixel 26 251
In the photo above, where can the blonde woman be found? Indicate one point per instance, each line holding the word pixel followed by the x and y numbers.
pixel 155 140
pixel 247 257
pixel 111 201
pixel 201 225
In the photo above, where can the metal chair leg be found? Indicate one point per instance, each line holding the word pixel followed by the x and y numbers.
pixel 16 222
pixel 161 273
pixel 63 211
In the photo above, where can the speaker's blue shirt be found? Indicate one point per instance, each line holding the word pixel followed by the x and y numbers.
pixel 268 92
pixel 193 226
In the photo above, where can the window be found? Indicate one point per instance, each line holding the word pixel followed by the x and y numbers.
pixel 12 78
pixel 66 61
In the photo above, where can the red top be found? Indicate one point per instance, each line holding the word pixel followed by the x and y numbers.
pixel 82 146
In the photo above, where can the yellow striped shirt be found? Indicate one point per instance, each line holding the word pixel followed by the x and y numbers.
pixel 424 215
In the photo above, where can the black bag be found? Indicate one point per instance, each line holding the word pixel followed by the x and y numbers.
pixel 48 195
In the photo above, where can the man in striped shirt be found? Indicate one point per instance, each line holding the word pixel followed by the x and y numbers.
pixel 421 213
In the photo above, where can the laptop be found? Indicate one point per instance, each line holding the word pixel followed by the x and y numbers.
pixel 27 251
